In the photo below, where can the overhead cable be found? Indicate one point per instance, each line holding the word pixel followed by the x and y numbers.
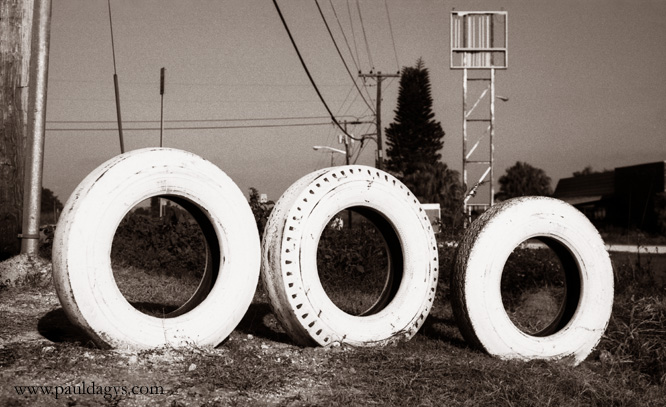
pixel 388 15
pixel 351 24
pixel 256 126
pixel 340 54
pixel 195 120
pixel 307 71
pixel 343 34
pixel 365 37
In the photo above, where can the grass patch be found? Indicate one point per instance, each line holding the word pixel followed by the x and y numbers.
pixel 152 293
pixel 259 365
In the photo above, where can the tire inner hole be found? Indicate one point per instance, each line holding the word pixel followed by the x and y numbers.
pixel 360 261
pixel 540 286
pixel 165 256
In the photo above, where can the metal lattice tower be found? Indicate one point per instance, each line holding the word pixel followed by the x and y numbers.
pixel 478 47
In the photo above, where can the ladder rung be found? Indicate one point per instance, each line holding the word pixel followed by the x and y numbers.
pixel 478 120
pixel 477 162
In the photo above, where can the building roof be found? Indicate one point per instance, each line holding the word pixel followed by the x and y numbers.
pixel 598 185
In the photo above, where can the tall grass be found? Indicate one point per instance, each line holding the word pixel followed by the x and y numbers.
pixel 636 335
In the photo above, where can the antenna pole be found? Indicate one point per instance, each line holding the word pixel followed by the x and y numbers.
pixel 162 78
pixel 115 85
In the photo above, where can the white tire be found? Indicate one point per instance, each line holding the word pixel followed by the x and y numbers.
pixel 289 263
pixel 82 270
pixel 482 254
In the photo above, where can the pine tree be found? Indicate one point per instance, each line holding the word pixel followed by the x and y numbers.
pixel 414 140
pixel 414 137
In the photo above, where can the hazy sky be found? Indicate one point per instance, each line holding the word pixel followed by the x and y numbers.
pixel 586 82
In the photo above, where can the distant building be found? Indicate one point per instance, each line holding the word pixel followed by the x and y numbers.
pixel 434 213
pixel 624 197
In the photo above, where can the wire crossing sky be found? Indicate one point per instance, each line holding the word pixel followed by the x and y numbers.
pixel 585 82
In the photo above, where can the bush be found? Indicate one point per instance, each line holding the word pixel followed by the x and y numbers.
pixel 171 245
pixel 351 256
pixel 260 210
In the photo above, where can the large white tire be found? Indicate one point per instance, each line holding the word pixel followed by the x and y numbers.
pixel 482 254
pixel 82 270
pixel 289 263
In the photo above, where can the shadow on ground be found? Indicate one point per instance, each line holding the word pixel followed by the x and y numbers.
pixel 56 327
pixel 258 321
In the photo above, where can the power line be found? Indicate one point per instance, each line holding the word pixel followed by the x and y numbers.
pixel 365 37
pixel 340 54
pixel 356 95
pixel 351 24
pixel 343 34
pixel 351 89
pixel 307 71
pixel 235 84
pixel 197 120
pixel 388 15
pixel 256 126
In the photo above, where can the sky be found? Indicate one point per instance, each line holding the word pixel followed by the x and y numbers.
pixel 585 82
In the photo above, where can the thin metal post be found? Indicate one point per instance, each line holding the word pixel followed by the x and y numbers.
pixel 162 121
pixel 162 78
pixel 464 136
pixel 380 145
pixel 115 84
pixel 118 115
pixel 347 153
pixel 492 135
pixel 39 71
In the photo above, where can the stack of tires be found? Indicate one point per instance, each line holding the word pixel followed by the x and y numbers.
pixel 286 260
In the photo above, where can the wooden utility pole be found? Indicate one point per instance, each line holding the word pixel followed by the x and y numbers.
pixel 15 38
pixel 379 77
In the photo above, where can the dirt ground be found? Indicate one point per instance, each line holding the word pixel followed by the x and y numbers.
pixel 40 348
pixel 47 361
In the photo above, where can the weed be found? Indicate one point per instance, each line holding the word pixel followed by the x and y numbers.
pixel 635 337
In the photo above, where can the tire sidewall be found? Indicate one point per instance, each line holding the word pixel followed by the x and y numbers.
pixel 314 206
pixel 82 246
pixel 511 224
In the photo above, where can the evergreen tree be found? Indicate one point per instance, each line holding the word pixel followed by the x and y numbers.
pixel 413 143
pixel 414 138
pixel 50 201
